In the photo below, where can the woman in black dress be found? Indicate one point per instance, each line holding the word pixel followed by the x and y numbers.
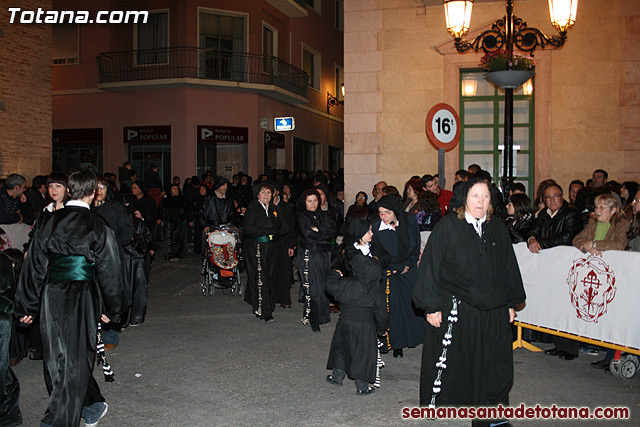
pixel 469 286
pixel 316 230
pixel 174 211
pixel 119 219
pixel 397 233
pixel 262 228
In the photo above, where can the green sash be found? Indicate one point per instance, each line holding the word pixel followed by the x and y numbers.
pixel 270 238
pixel 67 268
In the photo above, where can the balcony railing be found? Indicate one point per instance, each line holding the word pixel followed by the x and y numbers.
pixel 191 62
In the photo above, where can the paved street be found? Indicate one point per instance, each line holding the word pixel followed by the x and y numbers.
pixel 207 361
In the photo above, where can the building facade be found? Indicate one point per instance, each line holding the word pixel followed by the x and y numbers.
pixel 198 87
pixel 583 113
pixel 25 95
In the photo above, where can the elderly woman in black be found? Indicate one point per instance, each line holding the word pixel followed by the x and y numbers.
pixel 315 230
pixel 469 287
pixel 262 228
pixel 360 209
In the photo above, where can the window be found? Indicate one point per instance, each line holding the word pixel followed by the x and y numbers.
pixel 340 15
pixel 222 37
pixel 311 64
pixel 482 133
pixel 339 82
pixel 304 155
pixel 153 39
pixel 269 47
pixel 315 5
pixel 65 44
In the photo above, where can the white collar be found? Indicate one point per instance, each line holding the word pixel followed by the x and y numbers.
pixel 472 220
pixel 78 203
pixel 265 207
pixel 384 226
pixel 365 249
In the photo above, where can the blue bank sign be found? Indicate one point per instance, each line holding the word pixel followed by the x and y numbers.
pixel 281 124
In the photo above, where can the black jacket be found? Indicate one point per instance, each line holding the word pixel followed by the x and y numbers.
pixel 559 230
pixel 215 211
pixel 519 229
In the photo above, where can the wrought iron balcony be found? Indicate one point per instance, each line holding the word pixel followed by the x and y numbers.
pixel 196 63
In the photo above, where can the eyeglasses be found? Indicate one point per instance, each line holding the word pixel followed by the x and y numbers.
pixel 555 196
pixel 635 201
pixel 102 186
pixel 361 197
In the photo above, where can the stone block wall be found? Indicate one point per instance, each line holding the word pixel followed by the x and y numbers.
pixel 25 93
pixel 587 99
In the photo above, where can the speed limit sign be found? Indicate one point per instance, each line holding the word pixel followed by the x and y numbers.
pixel 443 126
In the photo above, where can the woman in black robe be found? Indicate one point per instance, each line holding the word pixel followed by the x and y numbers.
pixel 118 218
pixel 174 212
pixel 315 230
pixel 397 233
pixel 363 312
pixel 469 275
pixel 196 207
pixel 71 276
pixel 262 228
pixel 9 387
pixel 286 250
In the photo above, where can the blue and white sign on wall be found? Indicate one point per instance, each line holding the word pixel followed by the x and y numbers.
pixel 281 124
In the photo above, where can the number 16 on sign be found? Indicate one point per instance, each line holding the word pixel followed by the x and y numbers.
pixel 443 131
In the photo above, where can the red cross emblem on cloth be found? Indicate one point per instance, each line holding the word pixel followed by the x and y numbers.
pixel 592 285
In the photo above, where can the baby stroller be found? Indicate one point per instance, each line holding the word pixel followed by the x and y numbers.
pixel 220 266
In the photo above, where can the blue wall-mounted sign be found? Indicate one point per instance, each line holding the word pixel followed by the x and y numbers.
pixel 281 124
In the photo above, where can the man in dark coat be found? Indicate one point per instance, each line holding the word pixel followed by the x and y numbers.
pixel 556 225
pixel 71 272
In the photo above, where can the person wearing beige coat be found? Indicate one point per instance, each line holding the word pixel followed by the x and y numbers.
pixel 607 230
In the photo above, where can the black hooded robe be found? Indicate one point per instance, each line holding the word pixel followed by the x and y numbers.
pixel 406 324
pixel 76 244
pixel 284 273
pixel 317 246
pixel 257 228
pixel 482 272
pixel 9 387
pixel 174 214
pixel 363 316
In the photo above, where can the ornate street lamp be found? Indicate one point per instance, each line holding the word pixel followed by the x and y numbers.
pixel 508 33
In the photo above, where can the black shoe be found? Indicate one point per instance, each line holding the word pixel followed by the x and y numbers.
pixel 330 380
pixel 35 355
pixel 601 364
pixel 315 328
pixel 566 356
pixel 369 390
pixel 552 351
pixel 398 353
pixel 269 319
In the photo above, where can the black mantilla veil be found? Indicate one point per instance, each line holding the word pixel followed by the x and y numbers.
pixel 393 203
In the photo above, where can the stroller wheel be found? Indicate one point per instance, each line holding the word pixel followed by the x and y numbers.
pixel 212 288
pixel 234 290
pixel 203 288
pixel 627 369
pixel 614 367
